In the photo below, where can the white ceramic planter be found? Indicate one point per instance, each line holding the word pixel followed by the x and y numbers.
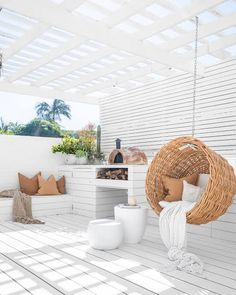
pixel 82 161
pixel 70 159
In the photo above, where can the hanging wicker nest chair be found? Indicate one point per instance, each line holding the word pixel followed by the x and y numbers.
pixel 185 156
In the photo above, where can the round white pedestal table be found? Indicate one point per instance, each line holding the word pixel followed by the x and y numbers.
pixel 134 222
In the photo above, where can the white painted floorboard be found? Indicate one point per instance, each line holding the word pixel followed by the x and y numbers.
pixel 55 259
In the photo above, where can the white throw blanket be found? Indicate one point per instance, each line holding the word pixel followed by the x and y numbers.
pixel 172 225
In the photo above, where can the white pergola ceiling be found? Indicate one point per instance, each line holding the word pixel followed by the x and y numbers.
pixel 82 50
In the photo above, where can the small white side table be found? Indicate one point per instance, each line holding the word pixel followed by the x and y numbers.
pixel 134 222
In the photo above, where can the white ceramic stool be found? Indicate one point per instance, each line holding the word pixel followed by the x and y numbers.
pixel 134 222
pixel 105 234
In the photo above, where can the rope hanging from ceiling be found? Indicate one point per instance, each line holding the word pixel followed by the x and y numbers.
pixel 0 63
pixel 186 156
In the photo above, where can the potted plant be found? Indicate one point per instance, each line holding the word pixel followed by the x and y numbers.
pixel 83 149
pixel 69 146
pixel 81 156
pixel 95 156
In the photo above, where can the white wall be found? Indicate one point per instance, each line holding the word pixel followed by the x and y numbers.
pixel 152 115
pixel 27 155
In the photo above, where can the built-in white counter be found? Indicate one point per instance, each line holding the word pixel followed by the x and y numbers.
pixel 96 198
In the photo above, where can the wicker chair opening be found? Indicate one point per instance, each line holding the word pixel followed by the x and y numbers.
pixel 185 156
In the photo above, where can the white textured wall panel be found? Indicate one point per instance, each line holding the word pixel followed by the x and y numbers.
pixel 152 115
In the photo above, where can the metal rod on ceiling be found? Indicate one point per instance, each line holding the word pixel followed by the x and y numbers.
pixel 1 56
pixel 195 75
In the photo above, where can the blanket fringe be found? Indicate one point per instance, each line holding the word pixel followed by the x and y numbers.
pixel 172 226
pixel 27 220
pixel 185 261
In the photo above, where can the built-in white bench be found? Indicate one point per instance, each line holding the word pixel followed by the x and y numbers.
pixel 41 206
pixel 29 155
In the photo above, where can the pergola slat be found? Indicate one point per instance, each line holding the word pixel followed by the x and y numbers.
pixel 52 32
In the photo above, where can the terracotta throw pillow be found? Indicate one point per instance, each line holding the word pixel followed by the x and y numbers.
pixel 47 187
pixel 174 187
pixel 29 186
pixel 61 185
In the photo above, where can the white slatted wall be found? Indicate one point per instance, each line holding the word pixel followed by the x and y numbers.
pixel 150 116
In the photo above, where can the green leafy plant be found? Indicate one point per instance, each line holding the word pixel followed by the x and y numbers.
pixel 10 128
pixel 87 145
pixel 69 145
pixel 96 157
pixel 87 137
pixel 6 132
pixel 81 154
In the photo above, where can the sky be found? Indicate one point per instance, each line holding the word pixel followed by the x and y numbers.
pixel 21 108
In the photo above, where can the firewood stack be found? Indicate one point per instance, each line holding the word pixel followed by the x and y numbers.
pixel 113 173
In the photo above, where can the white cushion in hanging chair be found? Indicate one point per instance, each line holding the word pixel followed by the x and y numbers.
pixel 203 180
pixel 191 193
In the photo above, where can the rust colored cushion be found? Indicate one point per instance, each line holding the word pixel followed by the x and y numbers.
pixel 47 187
pixel 29 186
pixel 174 187
pixel 61 185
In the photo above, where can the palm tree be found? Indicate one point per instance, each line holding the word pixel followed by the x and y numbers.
pixel 54 111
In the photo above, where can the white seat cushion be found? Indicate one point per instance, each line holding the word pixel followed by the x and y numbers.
pixel 41 206
pixel 191 193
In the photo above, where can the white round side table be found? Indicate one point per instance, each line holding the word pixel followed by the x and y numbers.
pixel 134 222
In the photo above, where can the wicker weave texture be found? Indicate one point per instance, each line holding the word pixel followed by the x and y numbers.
pixel 185 156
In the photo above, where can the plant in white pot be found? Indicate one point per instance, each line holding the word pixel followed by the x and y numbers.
pixel 82 157
pixel 69 146
pixel 82 150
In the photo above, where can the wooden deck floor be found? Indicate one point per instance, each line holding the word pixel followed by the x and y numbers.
pixel 55 259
